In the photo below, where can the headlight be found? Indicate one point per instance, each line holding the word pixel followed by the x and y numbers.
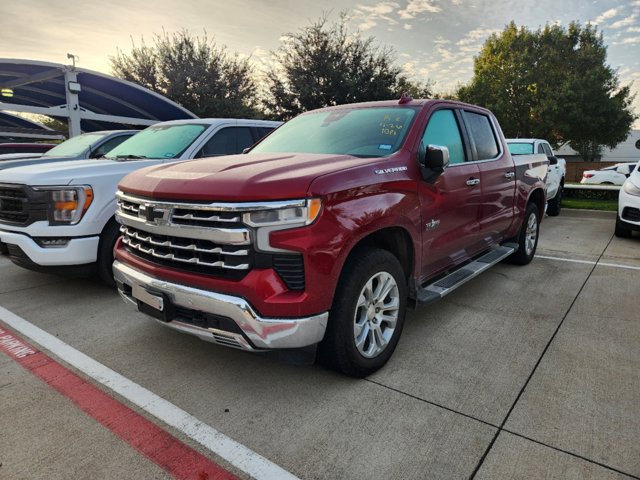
pixel 281 216
pixel 67 205
pixel 631 189
pixel 302 212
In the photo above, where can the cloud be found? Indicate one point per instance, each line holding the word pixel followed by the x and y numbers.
pixel 407 26
pixel 629 41
pixel 369 15
pixel 477 36
pixel 417 7
pixel 624 22
pixel 609 14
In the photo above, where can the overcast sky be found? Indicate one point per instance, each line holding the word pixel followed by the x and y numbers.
pixel 433 39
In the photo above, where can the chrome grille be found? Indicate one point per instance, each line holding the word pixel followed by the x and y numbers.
pixel 204 218
pixel 186 251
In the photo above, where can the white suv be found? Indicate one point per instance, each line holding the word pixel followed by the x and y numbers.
pixel 60 216
pixel 629 205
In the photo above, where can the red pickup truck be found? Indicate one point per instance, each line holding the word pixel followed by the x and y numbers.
pixel 326 230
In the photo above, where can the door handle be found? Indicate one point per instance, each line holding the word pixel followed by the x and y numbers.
pixel 473 182
pixel 509 175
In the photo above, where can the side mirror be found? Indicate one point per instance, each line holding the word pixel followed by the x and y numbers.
pixel 553 160
pixel 432 160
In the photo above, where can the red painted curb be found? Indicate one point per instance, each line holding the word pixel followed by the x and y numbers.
pixel 177 458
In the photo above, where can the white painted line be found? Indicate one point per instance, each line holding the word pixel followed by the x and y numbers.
pixel 233 452
pixel 589 262
pixel 566 259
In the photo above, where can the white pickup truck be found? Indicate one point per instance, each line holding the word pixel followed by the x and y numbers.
pixel 557 168
pixel 60 217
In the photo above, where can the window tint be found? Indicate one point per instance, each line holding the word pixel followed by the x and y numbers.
pixel 159 141
pixel 227 141
pixel 75 145
pixel 109 145
pixel 361 132
pixel 442 129
pixel 521 148
pixel 480 128
pixel 541 149
pixel 547 150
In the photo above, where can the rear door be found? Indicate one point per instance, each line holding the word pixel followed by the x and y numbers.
pixel 497 176
pixel 450 207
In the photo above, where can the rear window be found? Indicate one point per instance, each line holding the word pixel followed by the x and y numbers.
pixel 520 148
pixel 483 135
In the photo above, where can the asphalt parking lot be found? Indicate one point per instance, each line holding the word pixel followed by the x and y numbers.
pixel 524 372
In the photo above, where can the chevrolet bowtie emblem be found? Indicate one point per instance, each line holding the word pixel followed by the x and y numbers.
pixel 150 213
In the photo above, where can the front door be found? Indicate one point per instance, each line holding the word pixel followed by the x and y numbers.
pixel 450 206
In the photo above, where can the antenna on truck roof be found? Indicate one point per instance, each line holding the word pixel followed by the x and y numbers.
pixel 405 98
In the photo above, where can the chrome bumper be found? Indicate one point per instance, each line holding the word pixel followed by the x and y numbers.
pixel 259 333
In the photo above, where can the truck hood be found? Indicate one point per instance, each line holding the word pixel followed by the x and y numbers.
pixel 71 172
pixel 24 161
pixel 250 177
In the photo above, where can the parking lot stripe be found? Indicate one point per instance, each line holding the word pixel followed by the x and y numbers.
pixel 80 391
pixel 589 262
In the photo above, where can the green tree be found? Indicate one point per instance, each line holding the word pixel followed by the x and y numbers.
pixel 193 72
pixel 553 83
pixel 322 65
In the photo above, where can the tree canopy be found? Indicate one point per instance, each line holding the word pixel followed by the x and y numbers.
pixel 552 83
pixel 324 64
pixel 192 71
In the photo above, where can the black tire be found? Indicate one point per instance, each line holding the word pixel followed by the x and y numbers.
pixel 338 348
pixel 527 237
pixel 555 204
pixel 108 237
pixel 621 231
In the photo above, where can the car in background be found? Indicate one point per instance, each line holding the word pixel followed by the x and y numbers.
pixel 554 183
pixel 14 151
pixel 81 147
pixel 59 217
pixel 614 175
pixel 628 218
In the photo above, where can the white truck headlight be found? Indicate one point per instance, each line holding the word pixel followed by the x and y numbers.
pixel 67 205
pixel 631 188
pixel 281 216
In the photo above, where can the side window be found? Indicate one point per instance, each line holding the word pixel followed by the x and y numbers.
pixel 442 129
pixel 547 150
pixel 109 145
pixel 541 149
pixel 482 133
pixel 263 131
pixel 227 141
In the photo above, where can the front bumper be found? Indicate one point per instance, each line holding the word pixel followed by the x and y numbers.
pixel 629 210
pixel 252 333
pixel 79 251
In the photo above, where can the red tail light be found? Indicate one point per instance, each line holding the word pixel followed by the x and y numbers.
pixel 587 175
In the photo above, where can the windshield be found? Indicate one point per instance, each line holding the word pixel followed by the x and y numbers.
pixel 161 141
pixel 361 132
pixel 520 148
pixel 75 145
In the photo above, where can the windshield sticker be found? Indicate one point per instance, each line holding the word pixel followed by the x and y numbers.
pixel 391 126
pixel 384 146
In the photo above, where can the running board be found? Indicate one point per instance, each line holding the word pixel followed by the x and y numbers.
pixel 457 278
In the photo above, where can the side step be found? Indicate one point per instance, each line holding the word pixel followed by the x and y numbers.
pixel 457 278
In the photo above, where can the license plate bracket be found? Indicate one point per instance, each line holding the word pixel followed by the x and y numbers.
pixel 155 304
